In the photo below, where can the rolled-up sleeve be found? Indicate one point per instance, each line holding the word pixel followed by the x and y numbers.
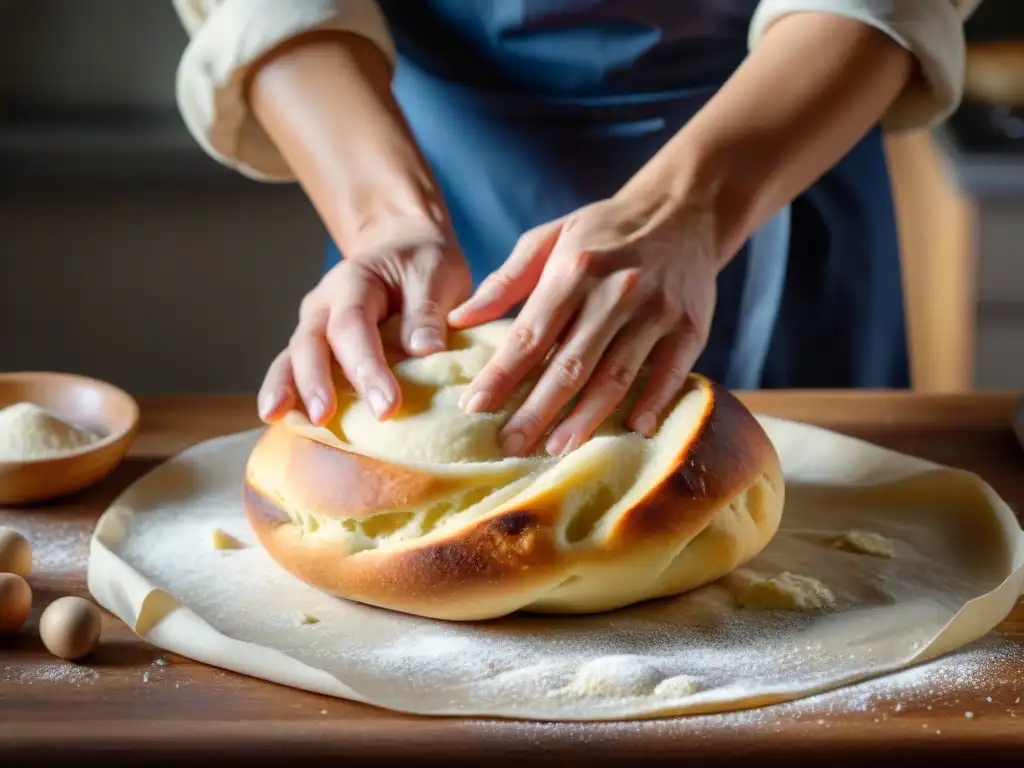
pixel 932 30
pixel 227 38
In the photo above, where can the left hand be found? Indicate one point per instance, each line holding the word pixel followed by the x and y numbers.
pixel 616 284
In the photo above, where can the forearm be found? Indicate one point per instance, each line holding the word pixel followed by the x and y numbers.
pixel 812 88
pixel 326 103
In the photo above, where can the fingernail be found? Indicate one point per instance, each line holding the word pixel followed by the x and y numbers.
pixel 513 443
pixel 560 446
pixel 378 402
pixel 316 408
pixel 555 445
pixel 425 340
pixel 268 401
pixel 477 403
pixel 645 424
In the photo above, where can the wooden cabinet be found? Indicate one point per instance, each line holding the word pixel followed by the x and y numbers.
pixel 961 222
pixel 937 241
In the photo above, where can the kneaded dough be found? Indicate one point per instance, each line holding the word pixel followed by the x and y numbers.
pixel 787 592
pixel 865 543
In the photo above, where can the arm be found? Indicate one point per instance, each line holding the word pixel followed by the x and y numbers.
pixel 325 101
pixel 810 89
pixel 817 80
pixel 300 90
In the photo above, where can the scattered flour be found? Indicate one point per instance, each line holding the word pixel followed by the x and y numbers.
pixel 73 674
pixel 29 432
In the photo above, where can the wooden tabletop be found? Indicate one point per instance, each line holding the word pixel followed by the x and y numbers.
pixel 130 703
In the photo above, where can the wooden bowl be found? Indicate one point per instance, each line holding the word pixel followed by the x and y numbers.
pixel 79 400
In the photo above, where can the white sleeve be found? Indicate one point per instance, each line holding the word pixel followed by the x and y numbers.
pixel 228 37
pixel 933 30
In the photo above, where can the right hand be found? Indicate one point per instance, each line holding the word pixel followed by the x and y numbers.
pixel 339 320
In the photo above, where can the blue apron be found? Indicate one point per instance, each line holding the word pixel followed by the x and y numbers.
pixel 529 109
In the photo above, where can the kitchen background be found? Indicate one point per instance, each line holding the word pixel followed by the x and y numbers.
pixel 126 254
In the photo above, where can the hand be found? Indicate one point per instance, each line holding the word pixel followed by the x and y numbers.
pixel 615 284
pixel 339 320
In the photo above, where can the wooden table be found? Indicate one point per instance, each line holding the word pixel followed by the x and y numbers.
pixel 123 707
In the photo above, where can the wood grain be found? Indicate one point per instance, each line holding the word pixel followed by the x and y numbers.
pixel 124 708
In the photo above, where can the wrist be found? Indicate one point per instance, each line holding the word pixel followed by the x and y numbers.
pixel 701 176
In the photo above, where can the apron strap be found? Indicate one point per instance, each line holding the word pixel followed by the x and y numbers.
pixel 763 285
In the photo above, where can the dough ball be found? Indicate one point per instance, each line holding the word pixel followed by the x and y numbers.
pixel 787 592
pixel 70 628
pixel 865 543
pixel 15 553
pixel 15 602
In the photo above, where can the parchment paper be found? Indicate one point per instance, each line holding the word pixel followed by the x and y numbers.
pixel 957 572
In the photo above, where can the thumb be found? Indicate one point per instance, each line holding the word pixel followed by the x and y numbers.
pixel 512 282
pixel 434 283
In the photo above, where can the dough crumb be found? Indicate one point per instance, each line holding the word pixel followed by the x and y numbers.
pixel 223 540
pixel 29 432
pixel 611 677
pixel 865 543
pixel 677 687
pixel 787 592
pixel 307 618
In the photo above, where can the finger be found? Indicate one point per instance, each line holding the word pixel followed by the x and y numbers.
pixel 532 335
pixel 512 282
pixel 609 385
pixel 430 291
pixel 354 337
pixel 311 366
pixel 277 394
pixel 671 362
pixel 604 314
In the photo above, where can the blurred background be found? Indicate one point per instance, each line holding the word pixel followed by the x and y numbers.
pixel 127 254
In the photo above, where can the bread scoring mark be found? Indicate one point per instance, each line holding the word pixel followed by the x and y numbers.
pixel 724 458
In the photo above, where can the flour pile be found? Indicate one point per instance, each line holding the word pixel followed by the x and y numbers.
pixel 29 432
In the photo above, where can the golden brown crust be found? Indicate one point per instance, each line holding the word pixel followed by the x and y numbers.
pixel 514 556
pixel 338 483
pixel 727 453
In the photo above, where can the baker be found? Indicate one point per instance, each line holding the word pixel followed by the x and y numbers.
pixel 686 186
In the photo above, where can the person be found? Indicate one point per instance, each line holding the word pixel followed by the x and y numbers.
pixel 677 186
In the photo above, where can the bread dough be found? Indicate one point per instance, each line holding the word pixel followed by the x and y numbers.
pixel 787 592
pixel 424 515
pixel 865 543
pixel 696 653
